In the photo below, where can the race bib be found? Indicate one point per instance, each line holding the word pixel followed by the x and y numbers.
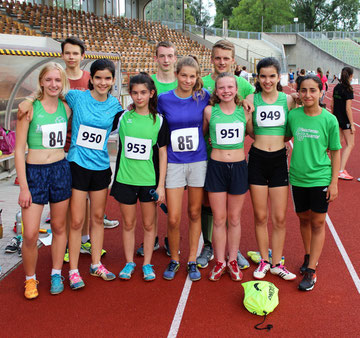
pixel 137 148
pixel 54 135
pixel 92 138
pixel 186 139
pixel 229 133
pixel 270 116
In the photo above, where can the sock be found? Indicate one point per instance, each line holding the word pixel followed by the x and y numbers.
pixel 85 238
pixel 95 266
pixel 55 272
pixel 30 277
pixel 73 271
pixel 341 171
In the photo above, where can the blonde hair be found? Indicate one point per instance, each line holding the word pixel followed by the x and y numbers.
pixel 215 99
pixel 191 61
pixel 223 44
pixel 64 80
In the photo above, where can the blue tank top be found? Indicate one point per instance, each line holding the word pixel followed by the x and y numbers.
pixel 185 120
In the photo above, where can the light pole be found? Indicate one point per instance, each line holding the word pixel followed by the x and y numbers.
pixel 295 21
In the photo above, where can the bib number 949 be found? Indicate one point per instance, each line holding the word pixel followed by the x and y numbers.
pixel 270 116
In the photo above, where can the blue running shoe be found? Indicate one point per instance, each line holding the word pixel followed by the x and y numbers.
pixel 76 281
pixel 102 272
pixel 149 273
pixel 171 270
pixel 242 262
pixel 127 271
pixel 194 273
pixel 57 285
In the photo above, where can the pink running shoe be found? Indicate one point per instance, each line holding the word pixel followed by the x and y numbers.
pixel 76 281
pixel 234 271
pixel 344 175
pixel 102 272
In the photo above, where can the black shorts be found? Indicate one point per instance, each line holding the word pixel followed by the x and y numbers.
pixel 129 194
pixel 89 180
pixel 343 120
pixel 268 167
pixel 49 182
pixel 312 198
pixel 231 177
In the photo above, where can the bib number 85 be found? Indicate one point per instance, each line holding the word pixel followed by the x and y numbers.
pixel 185 142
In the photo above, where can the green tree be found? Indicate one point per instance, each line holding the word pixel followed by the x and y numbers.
pixel 199 12
pixel 224 9
pixel 247 15
pixel 328 15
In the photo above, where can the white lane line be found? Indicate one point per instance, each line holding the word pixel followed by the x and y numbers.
pixel 174 329
pixel 344 254
pixel 342 250
pixel 356 124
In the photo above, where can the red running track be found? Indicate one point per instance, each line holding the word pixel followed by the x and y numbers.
pixel 135 308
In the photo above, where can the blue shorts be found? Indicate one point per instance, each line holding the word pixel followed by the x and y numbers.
pixel 49 182
pixel 230 177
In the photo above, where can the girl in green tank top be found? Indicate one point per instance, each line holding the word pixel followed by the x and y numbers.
pixel 227 123
pixel 268 174
pixel 45 135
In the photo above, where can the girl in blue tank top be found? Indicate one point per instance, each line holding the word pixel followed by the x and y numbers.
pixel 44 177
pixel 183 109
pixel 267 164
pixel 226 177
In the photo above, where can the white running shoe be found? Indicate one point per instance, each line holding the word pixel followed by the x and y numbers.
pixel 282 272
pixel 261 270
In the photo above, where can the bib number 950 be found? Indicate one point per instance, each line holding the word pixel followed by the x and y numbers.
pixel 92 138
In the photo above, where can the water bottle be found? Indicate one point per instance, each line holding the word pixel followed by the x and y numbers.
pixel 18 223
pixel 155 196
pixel 1 226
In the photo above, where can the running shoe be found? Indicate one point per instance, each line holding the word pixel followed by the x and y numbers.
pixel 171 270
pixel 86 248
pixel 217 271
pixel 309 280
pixel 149 273
pixel 358 179
pixel 166 246
pixel 127 271
pixel 102 272
pixel 12 245
pixel 254 256
pixel 57 285
pixel 234 271
pixel 66 256
pixel 76 281
pixel 19 248
pixel 140 251
pixel 262 269
pixel 282 272
pixel 110 224
pixel 194 273
pixel 242 262
pixel 206 255
pixel 31 291
pixel 344 175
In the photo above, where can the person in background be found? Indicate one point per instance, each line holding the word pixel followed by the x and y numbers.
pixel 343 95
pixel 323 80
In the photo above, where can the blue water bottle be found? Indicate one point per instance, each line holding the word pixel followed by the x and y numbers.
pixel 155 196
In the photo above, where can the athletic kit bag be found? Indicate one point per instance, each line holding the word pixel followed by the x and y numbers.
pixel 7 141
pixel 261 298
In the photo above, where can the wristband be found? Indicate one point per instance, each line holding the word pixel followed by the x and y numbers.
pixel 30 98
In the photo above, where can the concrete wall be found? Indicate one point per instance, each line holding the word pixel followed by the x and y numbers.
pixel 285 39
pixel 305 54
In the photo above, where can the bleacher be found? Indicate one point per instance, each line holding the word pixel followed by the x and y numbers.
pixel 133 39
pixel 345 50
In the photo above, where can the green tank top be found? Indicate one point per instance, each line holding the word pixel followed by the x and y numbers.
pixel 270 119
pixel 227 131
pixel 47 131
pixel 162 87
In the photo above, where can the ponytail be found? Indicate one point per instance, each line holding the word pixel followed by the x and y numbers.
pixel 346 72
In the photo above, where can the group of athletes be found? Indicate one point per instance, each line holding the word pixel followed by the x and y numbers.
pixel 181 131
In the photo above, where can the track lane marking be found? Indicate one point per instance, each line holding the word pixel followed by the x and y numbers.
pixel 175 325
